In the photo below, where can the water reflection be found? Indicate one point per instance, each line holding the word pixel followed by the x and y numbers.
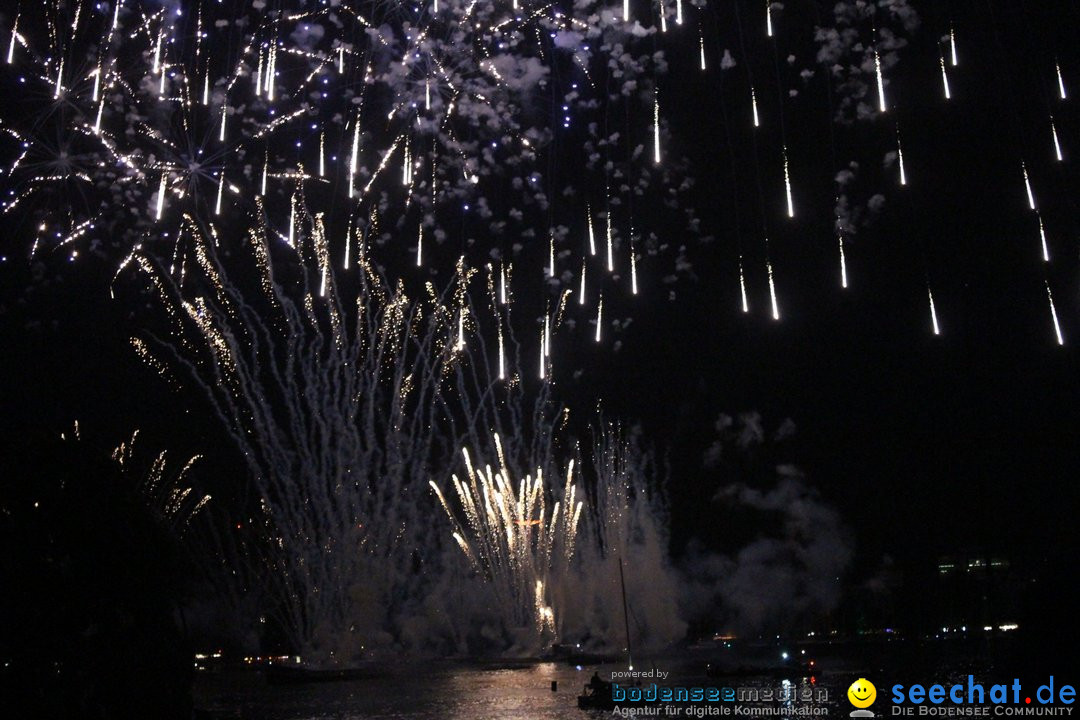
pixel 455 691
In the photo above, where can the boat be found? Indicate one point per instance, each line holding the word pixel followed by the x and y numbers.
pixel 596 697
pixel 597 693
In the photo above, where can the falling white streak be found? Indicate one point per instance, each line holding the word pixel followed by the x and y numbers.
pixel 262 186
pixel 581 295
pixel 663 17
pixel 14 37
pixel 97 119
pixel 701 47
pixel 787 186
pixel 341 59
pixel 502 356
pixel 547 335
pixel 678 12
pixel 460 330
pixel 933 312
pixel 97 83
pixel 322 154
pixel 843 263
pixel 742 289
pixel 753 104
pixel 271 72
pixel 292 221
pixel 945 80
pixel 352 156
pixel 1027 187
pixel 502 284
pixel 592 234
pixel 220 192
pixel 206 89
pixel 259 75
pixel 1054 316
pixel 59 76
pixel 599 316
pixel 1042 240
pixel 420 247
pixel 1061 82
pixel 880 82
pixel 656 130
pixel 626 10
pixel 543 356
pixel 952 47
pixel 348 247
pixel 161 196
pixel 551 257
pixel 633 271
pixel 900 160
pixel 768 18
pixel 427 94
pixel 610 245
pixel 1057 143
pixel 224 114
pixel 772 292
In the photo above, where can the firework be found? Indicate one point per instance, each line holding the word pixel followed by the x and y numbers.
pixel 328 399
pixel 161 112
pixel 945 80
pixel 933 312
pixel 519 534
pixel 1054 316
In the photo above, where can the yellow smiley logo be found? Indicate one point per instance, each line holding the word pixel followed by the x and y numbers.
pixel 862 693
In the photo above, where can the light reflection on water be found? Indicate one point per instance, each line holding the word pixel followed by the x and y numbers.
pixel 416 693
pixel 456 692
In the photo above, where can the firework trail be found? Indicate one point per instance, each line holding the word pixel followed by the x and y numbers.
pixel 520 535
pixel 139 114
pixel 627 517
pixel 489 130
pixel 164 490
pixel 345 397
pixel 548 545
pixel 327 398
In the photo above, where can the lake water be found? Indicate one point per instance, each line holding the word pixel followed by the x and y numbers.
pixel 455 691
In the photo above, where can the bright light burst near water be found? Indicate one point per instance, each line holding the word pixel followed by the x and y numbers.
pixel 516 536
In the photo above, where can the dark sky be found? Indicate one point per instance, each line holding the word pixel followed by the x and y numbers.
pixel 927 445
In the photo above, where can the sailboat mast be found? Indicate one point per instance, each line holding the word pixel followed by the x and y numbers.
pixel 625 615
